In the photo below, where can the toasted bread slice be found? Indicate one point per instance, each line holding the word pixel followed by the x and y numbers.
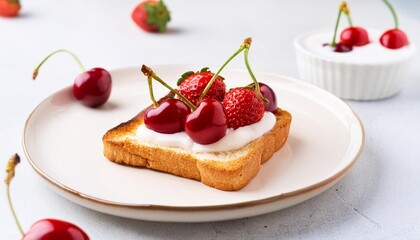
pixel 228 170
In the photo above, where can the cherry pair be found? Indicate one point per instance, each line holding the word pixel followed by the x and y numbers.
pixel 358 36
pixel 205 124
pixel 201 110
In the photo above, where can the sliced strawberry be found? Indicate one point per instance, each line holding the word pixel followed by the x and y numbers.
pixel 9 8
pixel 243 107
pixel 151 16
pixel 191 85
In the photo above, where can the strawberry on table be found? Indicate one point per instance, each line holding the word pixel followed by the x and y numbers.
pixel 151 16
pixel 192 85
pixel 9 8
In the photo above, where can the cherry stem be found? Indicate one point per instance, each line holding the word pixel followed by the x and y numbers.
pixel 333 43
pixel 257 86
pixel 10 169
pixel 35 73
pixel 149 82
pixel 347 12
pixel 245 44
pixel 394 14
pixel 150 74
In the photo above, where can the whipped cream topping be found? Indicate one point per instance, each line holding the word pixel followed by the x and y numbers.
pixel 234 139
pixel 371 53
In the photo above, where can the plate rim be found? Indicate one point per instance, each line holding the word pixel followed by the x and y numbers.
pixel 230 206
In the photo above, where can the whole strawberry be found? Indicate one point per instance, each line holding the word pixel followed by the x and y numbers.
pixel 9 8
pixel 151 16
pixel 243 107
pixel 191 85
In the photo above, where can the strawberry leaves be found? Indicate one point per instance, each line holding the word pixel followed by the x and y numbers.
pixel 184 76
pixel 189 73
pixel 157 14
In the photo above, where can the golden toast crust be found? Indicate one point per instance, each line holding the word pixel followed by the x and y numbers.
pixel 229 175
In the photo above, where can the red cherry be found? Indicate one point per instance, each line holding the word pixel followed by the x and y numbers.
pixel 269 94
pixel 394 39
pixel 93 87
pixel 53 229
pixel 208 123
pixel 354 36
pixel 339 47
pixel 168 117
pixel 46 229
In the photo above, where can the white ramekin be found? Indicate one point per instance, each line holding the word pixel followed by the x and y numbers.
pixel 352 80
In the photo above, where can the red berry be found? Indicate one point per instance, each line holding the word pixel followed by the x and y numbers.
pixel 193 85
pixel 45 229
pixel 243 107
pixel 354 36
pixel 269 94
pixel 339 47
pixel 168 117
pixel 9 8
pixel 93 87
pixel 151 16
pixel 52 229
pixel 208 123
pixel 394 39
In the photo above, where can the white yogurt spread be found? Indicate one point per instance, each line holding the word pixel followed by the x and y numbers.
pixel 371 53
pixel 234 139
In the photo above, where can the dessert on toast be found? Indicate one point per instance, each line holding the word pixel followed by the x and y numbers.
pixel 227 170
pixel 201 131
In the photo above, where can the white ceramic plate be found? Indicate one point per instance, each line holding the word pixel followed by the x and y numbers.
pixel 62 140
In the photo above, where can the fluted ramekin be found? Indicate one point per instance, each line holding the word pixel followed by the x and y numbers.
pixel 369 72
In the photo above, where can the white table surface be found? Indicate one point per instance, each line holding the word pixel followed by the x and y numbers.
pixel 378 199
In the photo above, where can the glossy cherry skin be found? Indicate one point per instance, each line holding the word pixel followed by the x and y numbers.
pixel 53 229
pixel 208 123
pixel 168 117
pixel 93 87
pixel 341 48
pixel 394 39
pixel 354 36
pixel 269 94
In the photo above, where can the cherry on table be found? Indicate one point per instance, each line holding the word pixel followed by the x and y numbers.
pixel 45 229
pixel 54 229
pixel 208 123
pixel 168 117
pixel 92 87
